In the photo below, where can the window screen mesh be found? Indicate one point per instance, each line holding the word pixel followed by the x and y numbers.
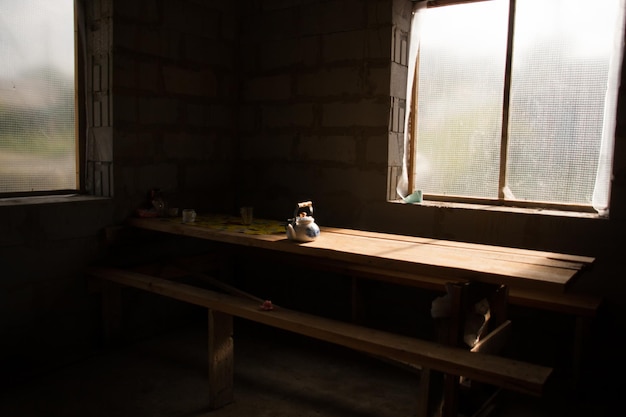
pixel 460 88
pixel 37 91
pixel 560 67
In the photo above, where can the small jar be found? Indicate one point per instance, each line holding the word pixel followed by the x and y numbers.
pixel 189 215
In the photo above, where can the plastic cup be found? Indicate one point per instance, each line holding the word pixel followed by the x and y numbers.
pixel 246 215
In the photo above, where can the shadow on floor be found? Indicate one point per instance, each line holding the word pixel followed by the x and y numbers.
pixel 276 374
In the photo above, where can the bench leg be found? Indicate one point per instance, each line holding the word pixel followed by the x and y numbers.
pixel 221 359
pixel 430 401
pixel 453 336
pixel 423 392
pixel 438 394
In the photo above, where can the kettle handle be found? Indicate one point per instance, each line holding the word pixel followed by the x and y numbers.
pixel 304 204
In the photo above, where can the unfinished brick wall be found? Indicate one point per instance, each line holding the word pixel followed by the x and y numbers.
pixel 265 103
pixel 317 104
pixel 96 61
pixel 175 94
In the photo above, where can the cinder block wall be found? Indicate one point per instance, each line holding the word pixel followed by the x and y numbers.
pixel 315 106
pixel 175 89
pixel 47 317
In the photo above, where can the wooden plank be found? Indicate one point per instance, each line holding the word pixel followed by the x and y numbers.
pixel 424 394
pixel 219 284
pixel 221 359
pixel 495 341
pixel 443 262
pixel 393 253
pixel 391 276
pixel 459 294
pixel 485 250
pixel 506 373
pixel 584 305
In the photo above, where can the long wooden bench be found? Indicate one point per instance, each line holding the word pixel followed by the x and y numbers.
pixel 498 371
pixel 583 308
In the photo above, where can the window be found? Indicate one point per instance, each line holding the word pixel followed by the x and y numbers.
pixel 513 102
pixel 38 135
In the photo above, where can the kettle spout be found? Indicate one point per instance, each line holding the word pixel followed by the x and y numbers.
pixel 291 233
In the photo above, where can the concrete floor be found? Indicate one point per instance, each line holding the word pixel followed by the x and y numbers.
pixel 276 374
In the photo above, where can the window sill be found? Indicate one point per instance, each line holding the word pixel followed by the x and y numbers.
pixel 502 209
pixel 57 199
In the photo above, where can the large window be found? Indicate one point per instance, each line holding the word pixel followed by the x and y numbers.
pixel 38 135
pixel 513 102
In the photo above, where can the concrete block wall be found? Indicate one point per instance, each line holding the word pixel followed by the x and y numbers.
pixel 47 317
pixel 175 94
pixel 96 60
pixel 315 105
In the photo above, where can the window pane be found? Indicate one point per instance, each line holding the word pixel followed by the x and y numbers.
pixel 37 119
pixel 462 57
pixel 561 58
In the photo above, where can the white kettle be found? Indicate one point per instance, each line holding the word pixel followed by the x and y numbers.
pixel 302 227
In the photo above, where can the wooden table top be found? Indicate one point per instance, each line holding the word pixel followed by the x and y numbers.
pixel 415 257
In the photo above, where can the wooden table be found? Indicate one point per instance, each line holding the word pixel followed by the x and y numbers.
pixel 407 259
pixel 398 259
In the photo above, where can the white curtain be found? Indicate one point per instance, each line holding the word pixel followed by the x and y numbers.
pixel 602 189
pixel 402 187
